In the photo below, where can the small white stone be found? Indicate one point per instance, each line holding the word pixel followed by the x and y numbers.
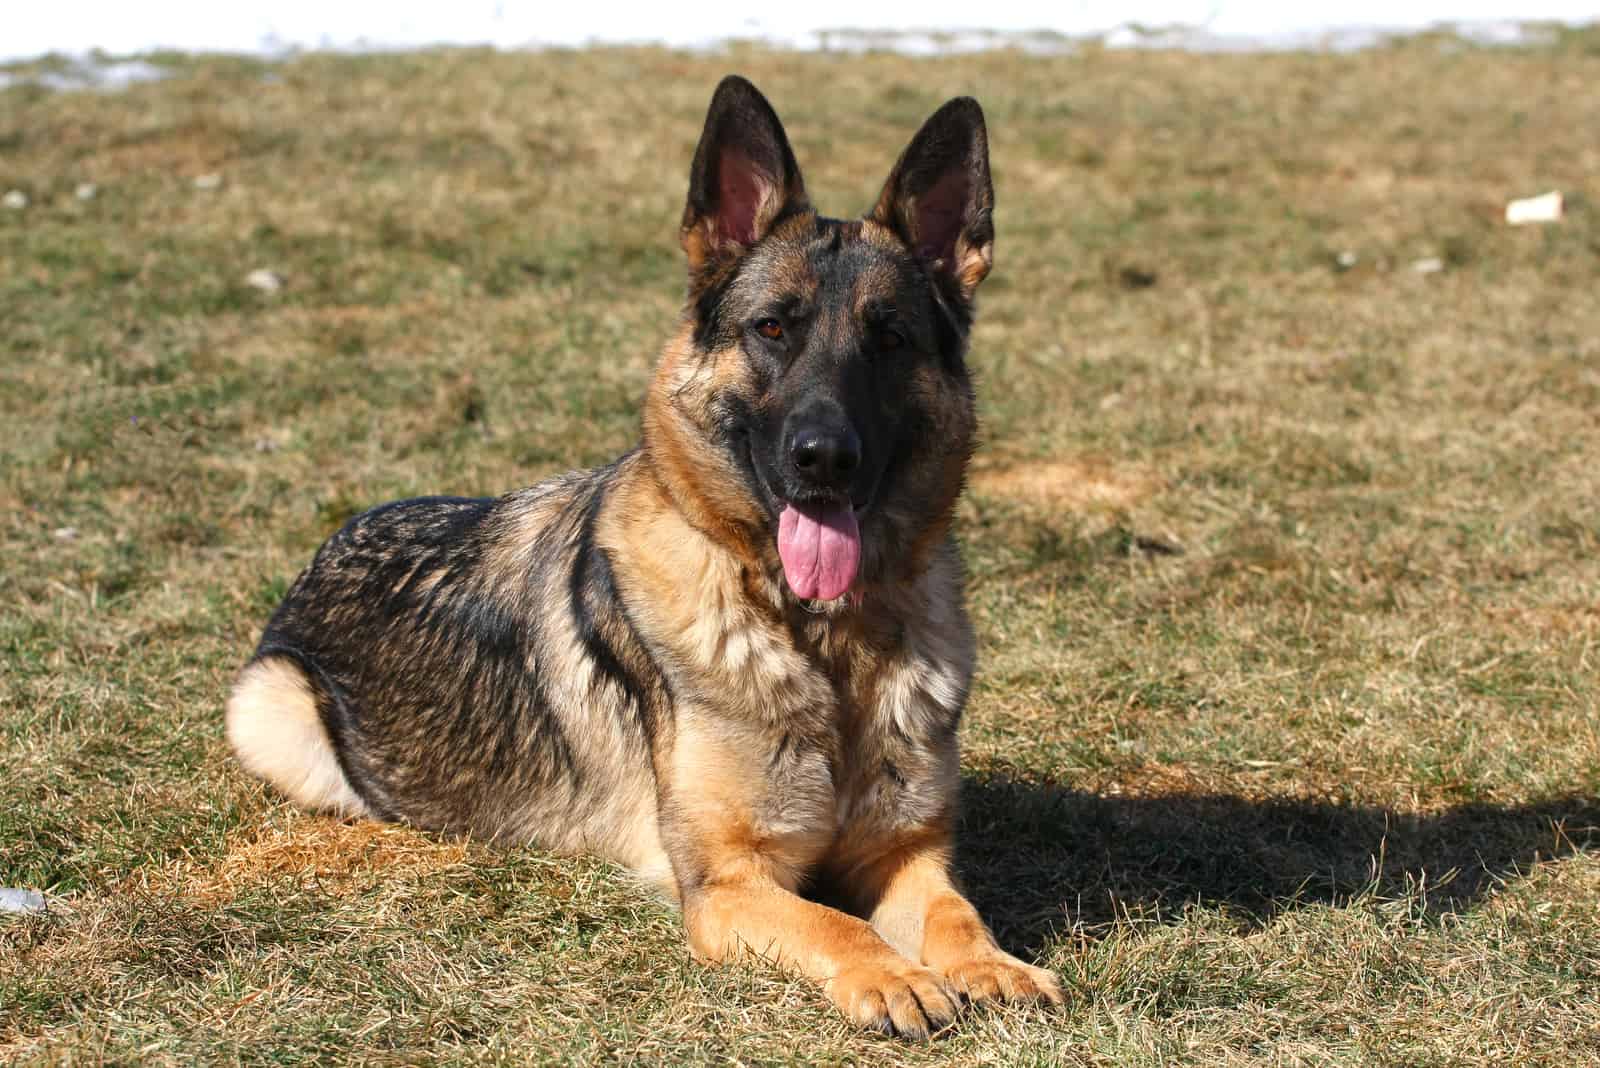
pixel 16 200
pixel 18 899
pixel 65 533
pixel 1545 208
pixel 208 181
pixel 1347 260
pixel 264 280
pixel 1428 265
pixel 86 191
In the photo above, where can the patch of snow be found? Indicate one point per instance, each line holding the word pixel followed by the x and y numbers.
pixel 930 27
pixel 87 72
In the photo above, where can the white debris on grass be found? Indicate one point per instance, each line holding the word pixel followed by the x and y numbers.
pixel 1346 260
pixel 15 199
pixel 20 899
pixel 264 280
pixel 86 191
pixel 1544 208
pixel 208 182
pixel 1428 265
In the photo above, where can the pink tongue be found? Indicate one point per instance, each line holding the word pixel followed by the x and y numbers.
pixel 821 548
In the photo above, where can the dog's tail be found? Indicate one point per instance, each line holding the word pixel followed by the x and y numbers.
pixel 278 735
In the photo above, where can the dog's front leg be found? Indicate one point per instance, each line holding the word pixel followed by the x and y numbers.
pixel 874 986
pixel 742 829
pixel 918 908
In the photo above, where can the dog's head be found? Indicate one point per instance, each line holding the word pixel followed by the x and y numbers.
pixel 815 411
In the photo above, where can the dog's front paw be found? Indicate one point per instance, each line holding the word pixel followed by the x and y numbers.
pixel 999 976
pixel 902 999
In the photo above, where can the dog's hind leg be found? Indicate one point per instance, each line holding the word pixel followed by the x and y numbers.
pixel 277 734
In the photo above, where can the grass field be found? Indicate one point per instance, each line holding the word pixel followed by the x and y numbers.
pixel 1286 743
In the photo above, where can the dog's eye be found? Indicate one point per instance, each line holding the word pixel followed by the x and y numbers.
pixel 770 329
pixel 891 340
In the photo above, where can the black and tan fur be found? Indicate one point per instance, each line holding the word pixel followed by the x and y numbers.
pixel 612 662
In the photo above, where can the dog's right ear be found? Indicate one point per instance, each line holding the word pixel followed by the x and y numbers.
pixel 743 179
pixel 939 197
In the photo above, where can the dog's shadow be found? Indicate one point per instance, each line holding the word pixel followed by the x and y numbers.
pixel 1040 859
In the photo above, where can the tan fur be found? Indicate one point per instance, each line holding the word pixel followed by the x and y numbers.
pixel 973 263
pixel 702 487
pixel 750 826
pixel 274 728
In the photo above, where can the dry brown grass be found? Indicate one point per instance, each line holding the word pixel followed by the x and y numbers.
pixel 338 858
pixel 1081 485
pixel 1286 744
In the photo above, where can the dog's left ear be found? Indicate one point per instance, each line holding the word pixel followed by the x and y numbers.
pixel 939 198
pixel 744 176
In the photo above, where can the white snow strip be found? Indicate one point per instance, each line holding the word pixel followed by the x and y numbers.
pixel 76 27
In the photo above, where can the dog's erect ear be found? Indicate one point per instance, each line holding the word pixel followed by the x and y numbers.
pixel 743 179
pixel 939 198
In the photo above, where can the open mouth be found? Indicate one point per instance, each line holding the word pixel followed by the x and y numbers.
pixel 819 541
pixel 820 546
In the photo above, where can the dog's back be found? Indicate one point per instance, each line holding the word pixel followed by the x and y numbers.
pixel 463 665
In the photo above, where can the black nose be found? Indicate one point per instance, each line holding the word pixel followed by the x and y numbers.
pixel 824 457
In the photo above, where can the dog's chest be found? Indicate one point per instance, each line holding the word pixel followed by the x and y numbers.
pixel 830 736
pixel 884 758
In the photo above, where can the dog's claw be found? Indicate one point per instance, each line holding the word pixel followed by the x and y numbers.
pixel 900 999
pixel 1002 977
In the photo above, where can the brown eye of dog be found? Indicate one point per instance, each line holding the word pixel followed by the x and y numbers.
pixel 892 339
pixel 770 329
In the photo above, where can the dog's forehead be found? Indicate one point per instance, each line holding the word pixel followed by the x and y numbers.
pixel 831 263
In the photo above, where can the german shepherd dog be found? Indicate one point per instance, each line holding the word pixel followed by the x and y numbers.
pixel 733 660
